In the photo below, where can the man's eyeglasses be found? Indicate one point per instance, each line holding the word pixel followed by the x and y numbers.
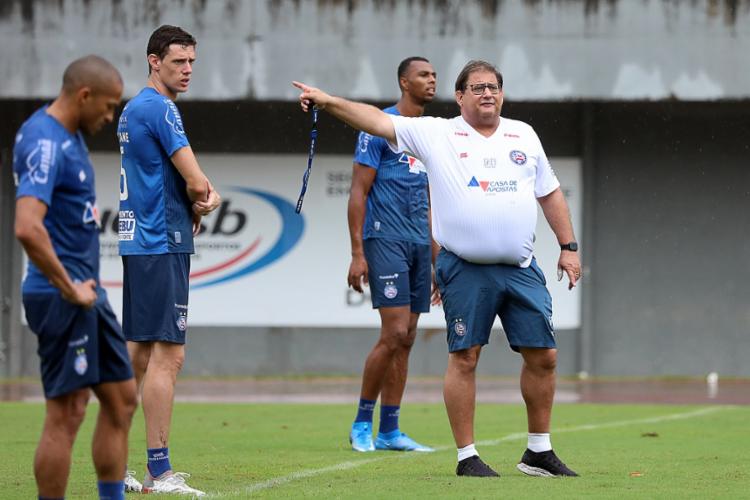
pixel 478 88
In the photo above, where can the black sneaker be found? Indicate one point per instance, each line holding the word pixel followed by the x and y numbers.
pixel 544 463
pixel 473 466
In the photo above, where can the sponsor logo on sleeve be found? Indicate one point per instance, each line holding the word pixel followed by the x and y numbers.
pixel 173 118
pixel 40 160
pixel 364 141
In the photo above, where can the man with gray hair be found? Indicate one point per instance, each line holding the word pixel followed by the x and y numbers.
pixel 486 176
pixel 81 346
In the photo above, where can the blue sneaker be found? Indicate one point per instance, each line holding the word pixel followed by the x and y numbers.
pixel 361 436
pixel 398 441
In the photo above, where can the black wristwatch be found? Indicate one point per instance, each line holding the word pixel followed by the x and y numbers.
pixel 571 247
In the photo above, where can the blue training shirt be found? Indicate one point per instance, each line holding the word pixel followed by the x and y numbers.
pixel 155 214
pixel 53 165
pixel 397 205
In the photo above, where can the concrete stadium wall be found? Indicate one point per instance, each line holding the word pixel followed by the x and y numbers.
pixel 548 50
pixel 670 197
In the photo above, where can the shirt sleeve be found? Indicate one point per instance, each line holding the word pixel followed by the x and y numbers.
pixel 166 125
pixel 413 135
pixel 546 180
pixel 369 150
pixel 36 162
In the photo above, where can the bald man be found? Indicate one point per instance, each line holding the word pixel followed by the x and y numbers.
pixel 81 345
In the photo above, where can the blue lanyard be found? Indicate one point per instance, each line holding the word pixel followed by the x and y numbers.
pixel 310 156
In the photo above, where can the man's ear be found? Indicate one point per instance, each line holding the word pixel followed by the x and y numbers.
pixel 83 94
pixel 403 82
pixel 154 62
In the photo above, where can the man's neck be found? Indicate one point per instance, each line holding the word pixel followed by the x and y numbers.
pixel 407 106
pixel 484 128
pixel 62 111
pixel 159 86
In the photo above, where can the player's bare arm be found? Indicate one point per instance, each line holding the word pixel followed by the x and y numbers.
pixel 200 190
pixel 362 179
pixel 34 238
pixel 356 114
pixel 556 212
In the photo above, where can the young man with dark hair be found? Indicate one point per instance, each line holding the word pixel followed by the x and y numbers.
pixel 81 346
pixel 163 195
pixel 389 227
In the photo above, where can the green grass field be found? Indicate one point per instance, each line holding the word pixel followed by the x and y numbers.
pixel 300 451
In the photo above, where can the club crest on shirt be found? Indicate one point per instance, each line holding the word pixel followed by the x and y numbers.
pixel 81 363
pixel 518 157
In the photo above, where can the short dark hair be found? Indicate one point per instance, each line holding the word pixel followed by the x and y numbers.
pixel 164 36
pixel 404 65
pixel 474 66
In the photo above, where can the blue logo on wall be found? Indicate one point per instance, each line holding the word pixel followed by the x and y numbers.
pixel 292 228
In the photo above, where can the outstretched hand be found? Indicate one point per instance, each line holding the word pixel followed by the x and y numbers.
pixel 311 96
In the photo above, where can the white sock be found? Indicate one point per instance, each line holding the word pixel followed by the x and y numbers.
pixel 466 452
pixel 539 442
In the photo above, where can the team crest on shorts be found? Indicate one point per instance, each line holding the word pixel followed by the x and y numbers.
pixel 459 327
pixel 390 291
pixel 81 363
pixel 518 157
pixel 182 322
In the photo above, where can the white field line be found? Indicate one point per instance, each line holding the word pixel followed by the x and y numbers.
pixel 279 481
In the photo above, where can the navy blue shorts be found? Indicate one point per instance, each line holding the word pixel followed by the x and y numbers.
pixel 400 273
pixel 77 347
pixel 155 297
pixel 473 294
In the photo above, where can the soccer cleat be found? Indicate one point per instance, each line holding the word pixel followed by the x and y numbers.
pixel 361 436
pixel 132 485
pixel 544 464
pixel 170 482
pixel 398 441
pixel 474 467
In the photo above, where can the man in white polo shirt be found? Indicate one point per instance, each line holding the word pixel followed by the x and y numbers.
pixel 486 175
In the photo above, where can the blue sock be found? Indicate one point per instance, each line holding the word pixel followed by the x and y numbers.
pixel 158 461
pixel 40 497
pixel 365 410
pixel 388 418
pixel 111 490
